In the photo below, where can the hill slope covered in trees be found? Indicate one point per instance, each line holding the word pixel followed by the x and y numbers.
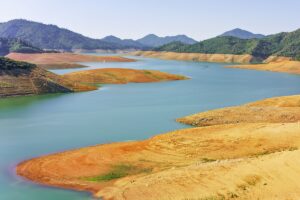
pixel 281 44
pixel 9 45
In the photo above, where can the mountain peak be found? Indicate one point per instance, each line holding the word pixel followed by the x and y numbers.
pixel 153 40
pixel 111 38
pixel 242 34
pixel 46 36
pixel 151 36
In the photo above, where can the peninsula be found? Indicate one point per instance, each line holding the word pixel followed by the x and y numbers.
pixel 120 76
pixel 232 157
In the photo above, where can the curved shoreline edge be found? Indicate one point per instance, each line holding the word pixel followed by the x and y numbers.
pixel 24 79
pixel 63 60
pixel 233 156
pixel 272 63
pixel 197 57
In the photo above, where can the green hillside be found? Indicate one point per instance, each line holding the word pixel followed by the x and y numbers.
pixel 282 44
pixel 8 45
pixel 8 64
pixel 52 37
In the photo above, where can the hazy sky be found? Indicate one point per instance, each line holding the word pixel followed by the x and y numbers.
pixel 199 19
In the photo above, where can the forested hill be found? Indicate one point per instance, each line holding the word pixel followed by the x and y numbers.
pixel 8 45
pixel 52 37
pixel 281 44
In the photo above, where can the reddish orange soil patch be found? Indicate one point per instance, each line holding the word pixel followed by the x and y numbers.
pixel 199 57
pixel 282 65
pixel 120 76
pixel 192 163
pixel 63 60
pixel 272 110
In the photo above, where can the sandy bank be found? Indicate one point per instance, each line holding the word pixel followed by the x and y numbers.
pixel 281 65
pixel 273 110
pixel 272 63
pixel 221 58
pixel 63 60
pixel 224 161
pixel 120 76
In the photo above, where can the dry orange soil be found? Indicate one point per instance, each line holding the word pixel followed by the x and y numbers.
pixel 273 110
pixel 273 63
pixel 246 159
pixel 63 60
pixel 223 58
pixel 287 66
pixel 120 76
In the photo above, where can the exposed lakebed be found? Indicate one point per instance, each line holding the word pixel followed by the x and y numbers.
pixel 39 125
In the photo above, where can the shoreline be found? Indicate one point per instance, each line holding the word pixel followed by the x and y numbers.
pixel 290 67
pixel 171 148
pixel 37 80
pixel 196 57
pixel 272 63
pixel 121 76
pixel 64 60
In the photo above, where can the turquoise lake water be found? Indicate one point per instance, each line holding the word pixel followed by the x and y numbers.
pixel 39 125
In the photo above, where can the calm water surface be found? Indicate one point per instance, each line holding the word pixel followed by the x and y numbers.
pixel 34 126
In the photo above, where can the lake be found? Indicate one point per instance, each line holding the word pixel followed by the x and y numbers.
pixel 39 125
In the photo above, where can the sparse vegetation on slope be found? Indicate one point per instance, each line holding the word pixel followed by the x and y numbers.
pixel 119 171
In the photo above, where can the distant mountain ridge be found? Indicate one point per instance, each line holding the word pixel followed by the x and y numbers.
pixel 282 44
pixel 242 34
pixel 156 41
pixel 50 36
pixel 126 42
pixel 46 36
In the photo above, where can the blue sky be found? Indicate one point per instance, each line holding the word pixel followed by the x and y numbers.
pixel 200 19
